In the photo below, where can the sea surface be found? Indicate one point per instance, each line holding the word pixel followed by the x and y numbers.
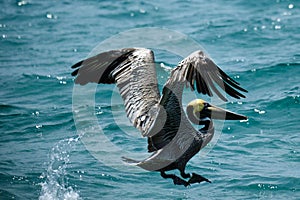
pixel 43 155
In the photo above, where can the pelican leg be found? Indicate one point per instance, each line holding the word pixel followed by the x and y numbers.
pixel 176 179
pixel 196 178
pixel 184 175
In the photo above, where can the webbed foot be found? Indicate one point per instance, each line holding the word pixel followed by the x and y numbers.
pixel 176 179
pixel 179 181
pixel 196 178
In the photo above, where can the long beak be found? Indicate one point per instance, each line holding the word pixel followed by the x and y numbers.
pixel 218 113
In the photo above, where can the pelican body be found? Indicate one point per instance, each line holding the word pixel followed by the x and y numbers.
pixel 172 139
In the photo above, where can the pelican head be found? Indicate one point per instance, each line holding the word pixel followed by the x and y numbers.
pixel 199 110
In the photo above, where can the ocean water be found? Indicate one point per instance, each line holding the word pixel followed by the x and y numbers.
pixel 43 156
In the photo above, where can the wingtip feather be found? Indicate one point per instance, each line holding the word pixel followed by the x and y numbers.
pixel 78 64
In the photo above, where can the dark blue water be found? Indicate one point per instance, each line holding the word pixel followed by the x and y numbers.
pixel 43 157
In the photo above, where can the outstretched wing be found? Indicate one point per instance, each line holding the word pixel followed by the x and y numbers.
pixel 200 71
pixel 133 70
pixel 197 71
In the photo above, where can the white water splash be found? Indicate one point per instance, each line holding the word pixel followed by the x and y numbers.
pixel 55 185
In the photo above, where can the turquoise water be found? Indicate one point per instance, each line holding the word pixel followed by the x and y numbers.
pixel 42 156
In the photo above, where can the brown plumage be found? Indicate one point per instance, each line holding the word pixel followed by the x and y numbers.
pixel 161 118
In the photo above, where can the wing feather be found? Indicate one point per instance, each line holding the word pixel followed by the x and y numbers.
pixel 207 74
pixel 133 71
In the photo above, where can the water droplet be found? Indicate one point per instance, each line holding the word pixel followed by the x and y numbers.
pixel 98 113
pixel 142 11
pixel 273 187
pixel 38 126
pixel 277 27
pixel 60 78
pixel 22 3
pixel 49 16
pixel 244 120
pixel 291 6
pixel 259 111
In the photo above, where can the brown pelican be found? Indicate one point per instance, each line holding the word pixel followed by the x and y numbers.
pixel 161 118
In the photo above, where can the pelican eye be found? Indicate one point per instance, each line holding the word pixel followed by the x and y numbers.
pixel 206 105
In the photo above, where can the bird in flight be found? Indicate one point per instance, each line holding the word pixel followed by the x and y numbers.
pixel 172 139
